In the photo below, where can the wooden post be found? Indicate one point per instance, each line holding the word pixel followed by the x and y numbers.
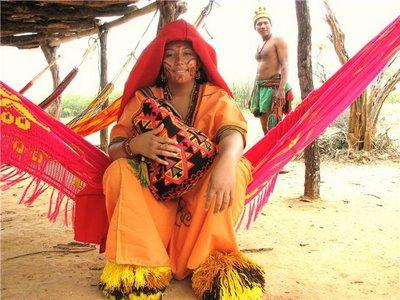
pixel 167 12
pixel 358 122
pixel 50 53
pixel 311 153
pixel 103 82
pixel 170 11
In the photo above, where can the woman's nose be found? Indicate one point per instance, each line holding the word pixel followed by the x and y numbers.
pixel 179 58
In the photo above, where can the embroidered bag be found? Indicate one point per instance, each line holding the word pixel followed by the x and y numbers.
pixel 182 173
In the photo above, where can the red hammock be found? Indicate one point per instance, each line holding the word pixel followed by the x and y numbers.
pixel 36 144
pixel 30 83
pixel 60 88
pixel 64 84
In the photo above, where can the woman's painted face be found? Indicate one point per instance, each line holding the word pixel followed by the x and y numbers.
pixel 180 62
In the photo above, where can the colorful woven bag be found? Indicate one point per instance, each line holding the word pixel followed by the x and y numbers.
pixel 182 173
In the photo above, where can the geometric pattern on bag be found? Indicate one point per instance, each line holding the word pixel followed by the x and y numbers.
pixel 196 156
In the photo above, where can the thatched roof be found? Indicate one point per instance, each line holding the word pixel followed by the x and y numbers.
pixel 27 24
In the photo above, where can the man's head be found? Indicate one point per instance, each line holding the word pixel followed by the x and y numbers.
pixel 262 22
pixel 263 27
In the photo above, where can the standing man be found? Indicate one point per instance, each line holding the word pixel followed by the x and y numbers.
pixel 272 95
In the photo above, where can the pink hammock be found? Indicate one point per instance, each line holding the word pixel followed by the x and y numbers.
pixel 36 144
pixel 53 154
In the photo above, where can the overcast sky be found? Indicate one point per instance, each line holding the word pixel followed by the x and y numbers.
pixel 229 28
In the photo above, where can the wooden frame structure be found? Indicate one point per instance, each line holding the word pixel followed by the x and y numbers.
pixel 28 24
pixel 47 24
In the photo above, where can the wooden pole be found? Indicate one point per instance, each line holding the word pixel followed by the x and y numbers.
pixel 311 153
pixel 170 11
pixel 103 81
pixel 167 12
pixel 50 53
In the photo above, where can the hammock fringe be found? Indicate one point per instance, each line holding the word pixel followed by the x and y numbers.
pixel 36 187
pixel 256 202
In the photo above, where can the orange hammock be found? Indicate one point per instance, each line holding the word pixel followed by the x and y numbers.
pixel 95 118
pixel 93 123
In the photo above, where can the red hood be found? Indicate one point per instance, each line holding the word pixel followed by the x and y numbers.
pixel 148 66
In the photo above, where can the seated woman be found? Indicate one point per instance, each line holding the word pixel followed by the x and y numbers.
pixel 149 241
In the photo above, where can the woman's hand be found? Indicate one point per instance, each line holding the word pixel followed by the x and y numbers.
pixel 222 183
pixel 151 145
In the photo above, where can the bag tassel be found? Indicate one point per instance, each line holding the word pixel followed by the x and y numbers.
pixel 141 170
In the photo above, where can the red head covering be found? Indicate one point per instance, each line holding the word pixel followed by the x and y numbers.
pixel 148 66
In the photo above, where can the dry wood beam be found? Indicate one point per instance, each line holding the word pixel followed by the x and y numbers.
pixel 89 3
pixel 23 11
pixel 137 13
pixel 23 41
pixel 33 40
pixel 49 27
pixel 32 45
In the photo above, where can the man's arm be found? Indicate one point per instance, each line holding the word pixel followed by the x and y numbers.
pixel 282 52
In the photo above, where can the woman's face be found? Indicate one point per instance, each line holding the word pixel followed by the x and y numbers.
pixel 180 62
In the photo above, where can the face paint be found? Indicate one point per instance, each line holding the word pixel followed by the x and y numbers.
pixel 180 62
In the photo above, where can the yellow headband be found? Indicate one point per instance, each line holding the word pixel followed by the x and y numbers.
pixel 261 12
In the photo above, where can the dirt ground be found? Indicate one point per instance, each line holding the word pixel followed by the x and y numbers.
pixel 344 246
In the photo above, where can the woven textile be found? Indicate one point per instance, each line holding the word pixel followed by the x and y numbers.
pixel 197 150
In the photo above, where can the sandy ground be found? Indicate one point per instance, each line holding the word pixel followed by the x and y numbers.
pixel 344 246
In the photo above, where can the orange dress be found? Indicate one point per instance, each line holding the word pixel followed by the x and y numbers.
pixel 179 235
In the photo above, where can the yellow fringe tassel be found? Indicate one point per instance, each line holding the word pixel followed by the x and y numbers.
pixel 144 172
pixel 144 296
pixel 141 170
pixel 129 278
pixel 228 276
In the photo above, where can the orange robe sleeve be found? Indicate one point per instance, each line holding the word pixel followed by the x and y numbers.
pixel 123 128
pixel 217 113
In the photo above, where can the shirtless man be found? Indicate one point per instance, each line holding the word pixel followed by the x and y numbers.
pixel 272 95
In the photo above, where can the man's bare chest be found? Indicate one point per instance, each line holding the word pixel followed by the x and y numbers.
pixel 267 52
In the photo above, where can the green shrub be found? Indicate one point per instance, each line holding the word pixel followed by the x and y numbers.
pixel 74 104
pixel 242 93
pixel 394 97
